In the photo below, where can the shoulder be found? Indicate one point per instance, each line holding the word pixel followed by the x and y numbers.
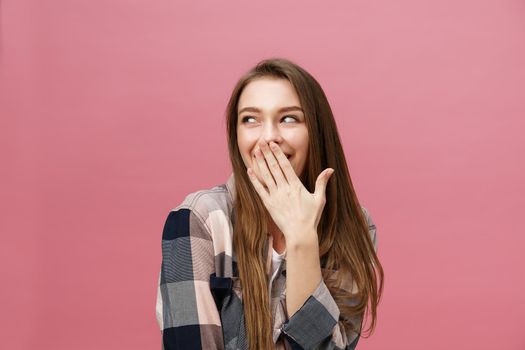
pixel 368 217
pixel 202 202
pixel 371 226
pixel 205 206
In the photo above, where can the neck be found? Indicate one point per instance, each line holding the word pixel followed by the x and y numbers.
pixel 273 229
pixel 279 242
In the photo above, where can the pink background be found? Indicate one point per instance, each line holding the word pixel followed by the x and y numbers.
pixel 112 111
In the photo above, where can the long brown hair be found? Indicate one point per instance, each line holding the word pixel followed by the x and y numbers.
pixel 345 245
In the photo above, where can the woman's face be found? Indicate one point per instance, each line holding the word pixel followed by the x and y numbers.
pixel 269 110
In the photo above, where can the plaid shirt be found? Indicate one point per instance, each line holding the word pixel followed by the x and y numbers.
pixel 199 297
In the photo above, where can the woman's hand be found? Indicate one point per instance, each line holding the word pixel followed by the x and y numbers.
pixel 293 209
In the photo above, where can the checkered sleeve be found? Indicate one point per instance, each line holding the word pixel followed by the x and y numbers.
pixel 316 324
pixel 186 311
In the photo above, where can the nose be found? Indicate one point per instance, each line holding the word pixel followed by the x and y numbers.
pixel 271 133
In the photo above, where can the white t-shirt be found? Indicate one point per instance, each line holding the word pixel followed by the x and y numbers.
pixel 276 260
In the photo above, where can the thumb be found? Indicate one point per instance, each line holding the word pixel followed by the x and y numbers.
pixel 322 180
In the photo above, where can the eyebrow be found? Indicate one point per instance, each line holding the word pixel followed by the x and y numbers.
pixel 280 110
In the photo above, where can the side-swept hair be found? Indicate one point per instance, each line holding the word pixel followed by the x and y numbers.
pixel 345 245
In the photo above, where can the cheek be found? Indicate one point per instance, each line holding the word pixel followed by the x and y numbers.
pixel 244 143
pixel 243 150
pixel 299 140
pixel 305 149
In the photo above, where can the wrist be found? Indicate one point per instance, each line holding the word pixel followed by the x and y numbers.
pixel 304 240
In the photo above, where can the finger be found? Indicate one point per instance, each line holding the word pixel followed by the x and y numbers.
pixel 257 185
pixel 273 165
pixel 257 172
pixel 265 172
pixel 322 180
pixel 289 173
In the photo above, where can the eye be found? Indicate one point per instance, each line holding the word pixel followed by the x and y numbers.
pixel 291 116
pixel 245 118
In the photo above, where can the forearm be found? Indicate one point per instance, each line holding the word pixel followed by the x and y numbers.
pixel 303 270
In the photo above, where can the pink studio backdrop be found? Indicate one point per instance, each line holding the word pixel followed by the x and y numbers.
pixel 112 111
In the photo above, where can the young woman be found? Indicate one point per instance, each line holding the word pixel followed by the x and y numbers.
pixel 281 256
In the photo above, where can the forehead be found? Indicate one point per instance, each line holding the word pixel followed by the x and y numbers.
pixel 268 93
